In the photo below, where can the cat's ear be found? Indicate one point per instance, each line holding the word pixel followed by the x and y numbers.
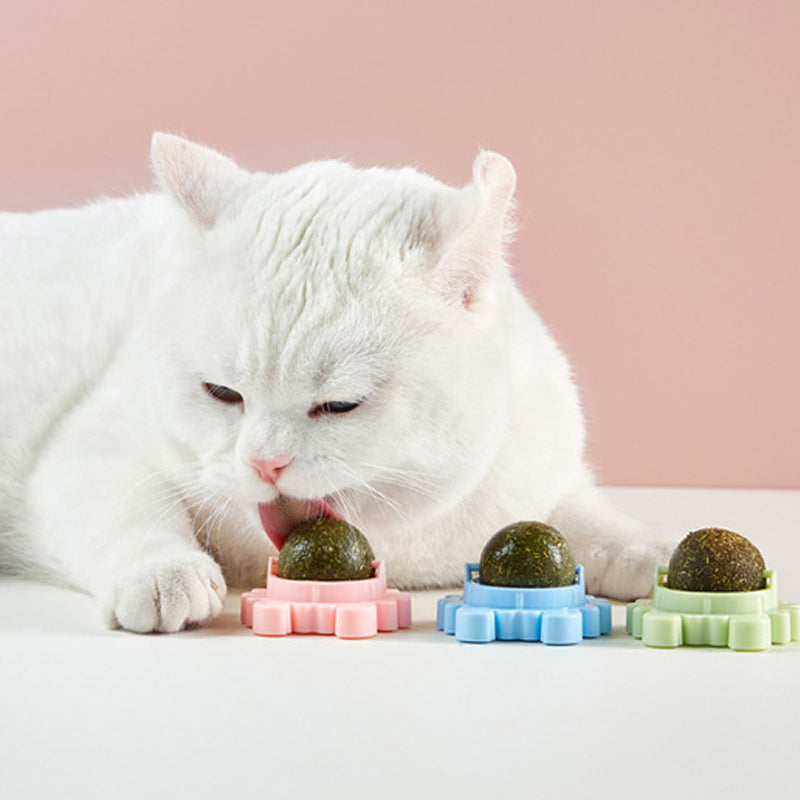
pixel 201 179
pixel 485 225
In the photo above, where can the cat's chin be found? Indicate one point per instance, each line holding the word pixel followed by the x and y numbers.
pixel 282 514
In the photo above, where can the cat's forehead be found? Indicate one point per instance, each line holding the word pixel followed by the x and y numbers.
pixel 322 288
pixel 332 213
pixel 319 346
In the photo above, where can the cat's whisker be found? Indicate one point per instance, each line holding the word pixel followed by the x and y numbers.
pixel 160 501
pixel 173 496
pixel 348 508
pixel 174 509
pixel 160 478
pixel 404 479
pixel 383 502
pixel 167 496
pixel 213 522
pixel 416 480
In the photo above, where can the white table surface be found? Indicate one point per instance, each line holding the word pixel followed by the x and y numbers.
pixel 220 713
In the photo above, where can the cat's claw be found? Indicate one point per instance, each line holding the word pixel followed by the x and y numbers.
pixel 168 594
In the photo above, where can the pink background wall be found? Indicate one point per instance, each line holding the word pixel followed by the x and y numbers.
pixel 656 145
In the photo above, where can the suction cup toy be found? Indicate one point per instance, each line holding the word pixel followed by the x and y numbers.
pixel 752 620
pixel 553 615
pixel 356 609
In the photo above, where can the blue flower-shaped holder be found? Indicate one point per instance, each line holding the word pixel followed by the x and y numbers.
pixel 557 615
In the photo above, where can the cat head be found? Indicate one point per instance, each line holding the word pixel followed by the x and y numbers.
pixel 337 340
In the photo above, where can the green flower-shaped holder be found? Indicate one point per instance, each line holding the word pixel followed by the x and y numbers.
pixel 739 620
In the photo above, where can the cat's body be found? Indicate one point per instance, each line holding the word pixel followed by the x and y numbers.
pixel 379 360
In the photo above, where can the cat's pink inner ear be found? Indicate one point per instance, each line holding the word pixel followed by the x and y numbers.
pixel 201 179
pixel 495 179
pixel 477 249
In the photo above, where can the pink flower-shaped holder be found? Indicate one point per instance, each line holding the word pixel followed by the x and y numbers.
pixel 348 609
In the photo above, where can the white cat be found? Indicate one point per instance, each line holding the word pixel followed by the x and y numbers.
pixel 185 369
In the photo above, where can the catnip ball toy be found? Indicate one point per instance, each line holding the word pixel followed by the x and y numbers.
pixel 325 549
pixel 529 555
pixel 716 560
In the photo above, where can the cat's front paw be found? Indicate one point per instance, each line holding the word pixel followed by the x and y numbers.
pixel 625 572
pixel 168 594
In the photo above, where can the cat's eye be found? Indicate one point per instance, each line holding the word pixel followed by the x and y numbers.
pixel 223 394
pixel 334 407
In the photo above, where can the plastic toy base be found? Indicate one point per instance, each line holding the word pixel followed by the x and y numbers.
pixel 738 620
pixel 347 609
pixel 558 615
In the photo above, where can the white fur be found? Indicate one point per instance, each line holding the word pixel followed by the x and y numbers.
pixel 122 476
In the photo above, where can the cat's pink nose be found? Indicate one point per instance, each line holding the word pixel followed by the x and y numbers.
pixel 269 469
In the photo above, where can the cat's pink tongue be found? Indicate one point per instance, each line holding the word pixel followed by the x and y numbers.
pixel 279 517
